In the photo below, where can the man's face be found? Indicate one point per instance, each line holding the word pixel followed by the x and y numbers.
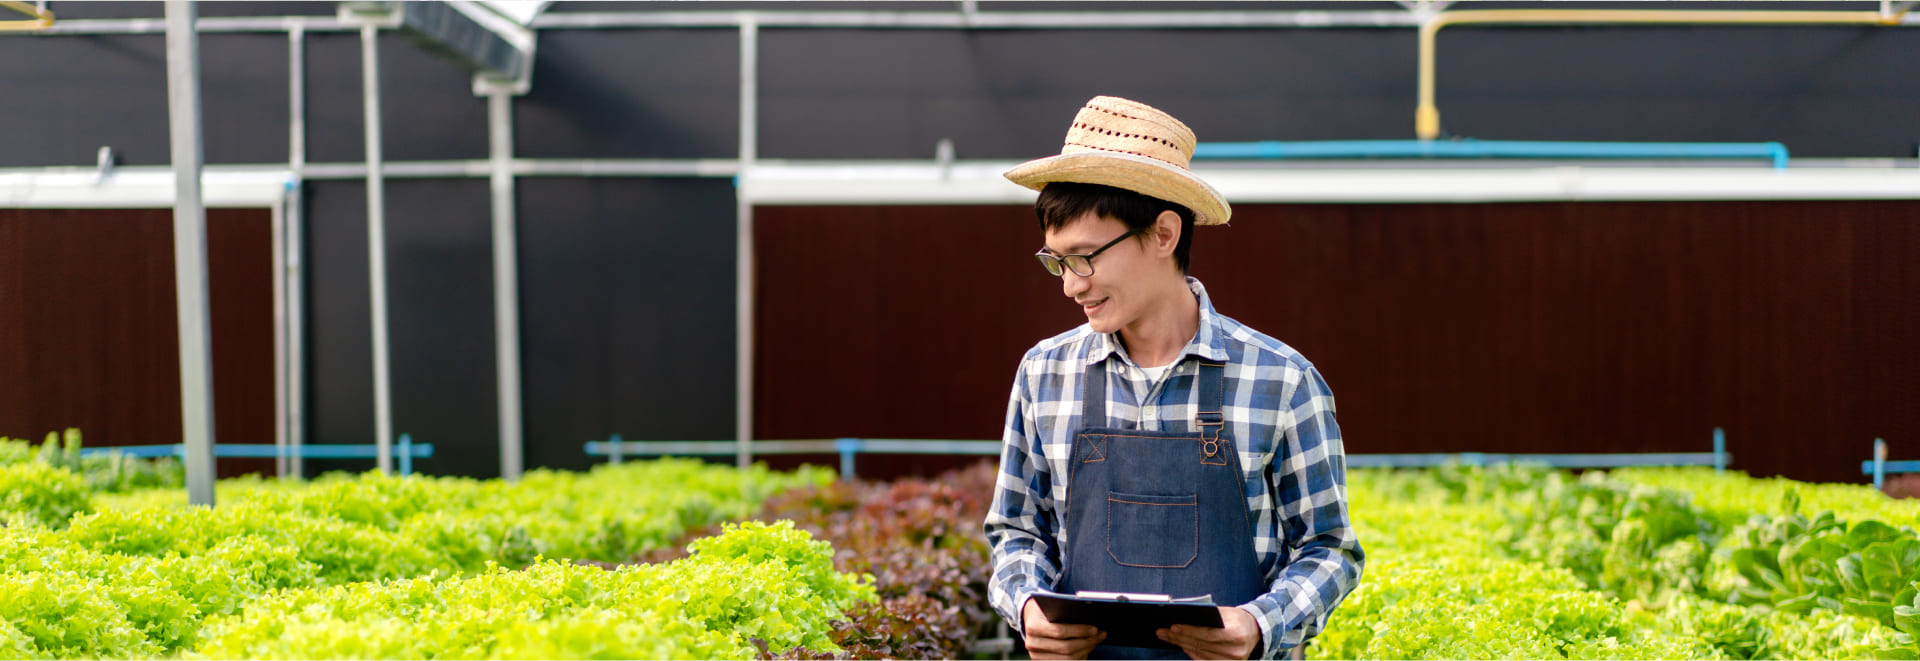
pixel 1114 296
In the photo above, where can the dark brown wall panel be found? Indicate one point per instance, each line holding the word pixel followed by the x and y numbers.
pixel 890 322
pixel 1551 327
pixel 240 284
pixel 90 340
pixel 877 322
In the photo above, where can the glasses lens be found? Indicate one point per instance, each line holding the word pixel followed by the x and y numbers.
pixel 1081 266
pixel 1052 263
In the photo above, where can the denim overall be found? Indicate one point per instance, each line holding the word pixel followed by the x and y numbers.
pixel 1158 512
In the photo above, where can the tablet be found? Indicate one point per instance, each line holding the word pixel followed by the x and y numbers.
pixel 1129 619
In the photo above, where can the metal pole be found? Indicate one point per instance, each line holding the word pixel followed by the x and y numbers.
pixel 190 251
pixel 506 283
pixel 1719 449
pixel 297 99
pixel 296 335
pixel 847 447
pixel 377 248
pixel 997 20
pixel 296 163
pixel 280 365
pixel 743 246
pixel 1879 463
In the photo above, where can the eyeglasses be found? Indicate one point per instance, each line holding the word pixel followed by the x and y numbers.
pixel 1081 265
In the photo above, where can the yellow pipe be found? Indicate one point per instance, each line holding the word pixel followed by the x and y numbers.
pixel 1426 118
pixel 42 19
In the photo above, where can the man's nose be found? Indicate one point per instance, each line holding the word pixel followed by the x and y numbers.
pixel 1072 284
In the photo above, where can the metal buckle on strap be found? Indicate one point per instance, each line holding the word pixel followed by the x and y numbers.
pixel 1210 438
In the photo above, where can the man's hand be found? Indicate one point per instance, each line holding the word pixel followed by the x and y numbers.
pixel 1046 640
pixel 1237 640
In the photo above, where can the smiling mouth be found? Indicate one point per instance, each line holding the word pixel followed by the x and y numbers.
pixel 1090 308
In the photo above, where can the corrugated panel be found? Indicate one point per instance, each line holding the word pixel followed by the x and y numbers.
pixel 1554 327
pixel 89 337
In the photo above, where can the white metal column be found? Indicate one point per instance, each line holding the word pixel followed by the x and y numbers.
pixel 743 245
pixel 190 251
pixel 294 424
pixel 377 248
pixel 281 359
pixel 506 283
pixel 293 262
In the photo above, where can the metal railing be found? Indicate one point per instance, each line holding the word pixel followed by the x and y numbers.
pixel 617 449
pixel 1719 458
pixel 405 450
pixel 1772 152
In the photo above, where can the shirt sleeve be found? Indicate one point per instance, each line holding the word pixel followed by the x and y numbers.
pixel 1323 558
pixel 1021 524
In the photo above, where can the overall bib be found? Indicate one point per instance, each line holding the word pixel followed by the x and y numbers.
pixel 1158 512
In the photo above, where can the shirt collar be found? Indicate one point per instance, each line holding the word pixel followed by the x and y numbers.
pixel 1209 343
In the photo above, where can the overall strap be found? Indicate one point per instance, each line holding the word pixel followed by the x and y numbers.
pixel 1209 419
pixel 1093 400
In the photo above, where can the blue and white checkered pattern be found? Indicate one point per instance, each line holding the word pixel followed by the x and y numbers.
pixel 1280 414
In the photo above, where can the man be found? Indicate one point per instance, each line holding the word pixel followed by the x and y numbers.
pixel 1161 448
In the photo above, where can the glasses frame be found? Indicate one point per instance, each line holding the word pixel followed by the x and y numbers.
pixel 1060 264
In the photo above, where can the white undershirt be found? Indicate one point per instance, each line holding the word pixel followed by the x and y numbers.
pixel 1154 373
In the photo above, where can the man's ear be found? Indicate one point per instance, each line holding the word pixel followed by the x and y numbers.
pixel 1166 232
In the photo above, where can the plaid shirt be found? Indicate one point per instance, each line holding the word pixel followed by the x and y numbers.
pixel 1291 455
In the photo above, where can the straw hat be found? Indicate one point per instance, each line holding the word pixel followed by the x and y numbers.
pixel 1131 145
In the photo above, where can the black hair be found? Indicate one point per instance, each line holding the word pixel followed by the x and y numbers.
pixel 1063 202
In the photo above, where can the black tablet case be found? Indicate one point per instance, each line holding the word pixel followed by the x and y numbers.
pixel 1128 623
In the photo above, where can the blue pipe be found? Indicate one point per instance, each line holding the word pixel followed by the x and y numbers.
pixel 848 448
pixel 264 451
pixel 1886 468
pixel 1550 460
pixel 1470 148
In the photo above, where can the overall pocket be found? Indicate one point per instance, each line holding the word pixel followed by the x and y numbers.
pixel 1152 531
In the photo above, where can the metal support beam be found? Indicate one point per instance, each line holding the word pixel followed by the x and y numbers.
pixel 190 251
pixel 743 246
pixel 294 263
pixel 281 314
pixel 1879 463
pixel 532 167
pixel 377 247
pixel 506 283
pixel 295 248
pixel 471 35
pixel 991 20
pixel 911 20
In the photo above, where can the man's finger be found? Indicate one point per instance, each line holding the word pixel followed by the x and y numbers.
pixel 1204 642
pixel 1194 633
pixel 1063 631
pixel 1038 646
pixel 1062 647
pixel 1038 624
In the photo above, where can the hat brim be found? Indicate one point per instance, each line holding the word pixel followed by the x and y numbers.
pixel 1135 173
